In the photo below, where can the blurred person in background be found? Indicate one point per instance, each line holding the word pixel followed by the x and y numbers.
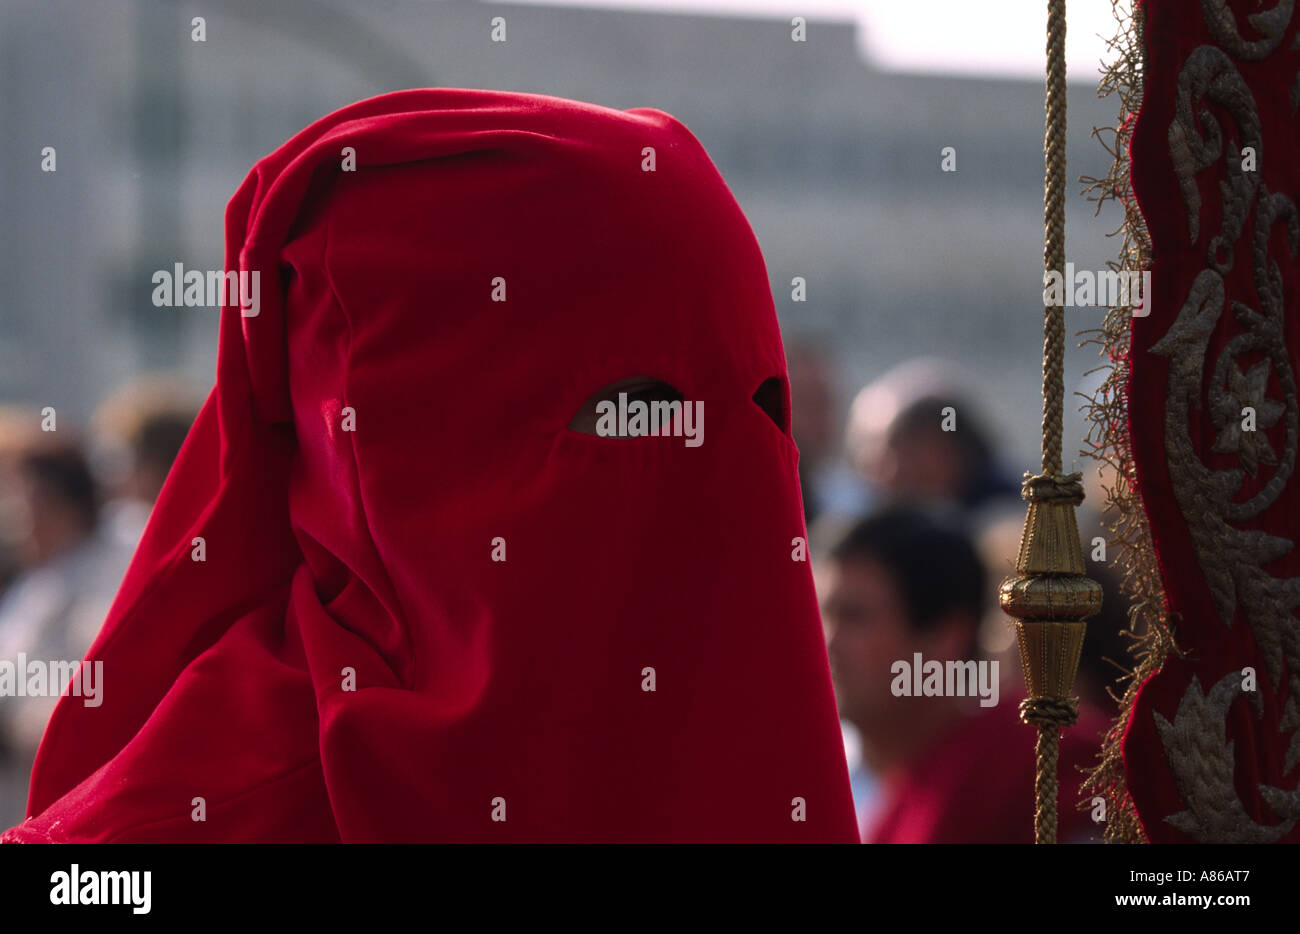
pixel 67 576
pixel 19 425
pixel 823 535
pixel 916 434
pixel 950 770
pixel 137 433
pixel 829 486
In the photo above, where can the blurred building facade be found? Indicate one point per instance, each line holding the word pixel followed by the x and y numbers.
pixel 836 163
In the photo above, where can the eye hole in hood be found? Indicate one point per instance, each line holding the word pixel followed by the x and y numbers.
pixel 770 397
pixel 645 389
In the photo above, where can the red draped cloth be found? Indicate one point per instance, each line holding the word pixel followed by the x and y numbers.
pixel 353 660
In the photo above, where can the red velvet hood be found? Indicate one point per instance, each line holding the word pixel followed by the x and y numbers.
pixel 382 428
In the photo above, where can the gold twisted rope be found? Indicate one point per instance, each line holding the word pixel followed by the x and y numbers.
pixel 1048 715
pixel 1054 238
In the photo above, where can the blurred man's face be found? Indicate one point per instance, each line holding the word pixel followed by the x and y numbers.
pixel 920 466
pixel 866 632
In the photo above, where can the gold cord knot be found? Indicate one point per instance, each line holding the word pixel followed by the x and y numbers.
pixel 1042 488
pixel 1049 711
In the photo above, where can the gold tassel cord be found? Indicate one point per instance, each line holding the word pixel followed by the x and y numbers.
pixel 1050 598
pixel 1050 716
pixel 1054 239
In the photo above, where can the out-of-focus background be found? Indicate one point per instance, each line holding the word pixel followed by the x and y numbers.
pixel 922 284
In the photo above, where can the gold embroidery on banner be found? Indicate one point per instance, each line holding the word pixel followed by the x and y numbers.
pixel 1271 24
pixel 1209 76
pixel 1232 559
pixel 1201 758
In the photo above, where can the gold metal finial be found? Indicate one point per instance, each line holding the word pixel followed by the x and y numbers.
pixel 1049 600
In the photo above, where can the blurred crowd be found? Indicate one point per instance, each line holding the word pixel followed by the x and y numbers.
pixel 914 520
pixel 73 503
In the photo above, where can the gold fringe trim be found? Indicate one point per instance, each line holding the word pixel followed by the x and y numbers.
pixel 1108 441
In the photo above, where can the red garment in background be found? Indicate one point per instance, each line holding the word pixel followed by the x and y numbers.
pixel 483 689
pixel 977 784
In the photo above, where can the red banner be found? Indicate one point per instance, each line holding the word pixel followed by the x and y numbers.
pixel 1213 744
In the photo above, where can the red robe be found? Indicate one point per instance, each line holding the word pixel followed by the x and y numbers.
pixel 977 784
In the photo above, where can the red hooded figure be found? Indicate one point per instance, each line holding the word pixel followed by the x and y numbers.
pixel 389 594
